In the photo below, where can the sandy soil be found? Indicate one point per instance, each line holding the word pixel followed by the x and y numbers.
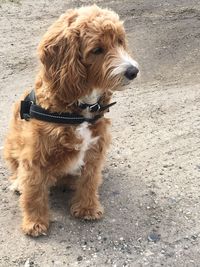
pixel 152 176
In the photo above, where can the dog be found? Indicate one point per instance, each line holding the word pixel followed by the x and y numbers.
pixel 83 59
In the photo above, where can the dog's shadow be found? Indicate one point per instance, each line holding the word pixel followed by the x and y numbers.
pixel 124 198
pixel 130 210
pixel 59 202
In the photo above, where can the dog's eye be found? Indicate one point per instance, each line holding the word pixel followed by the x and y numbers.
pixel 97 50
pixel 120 41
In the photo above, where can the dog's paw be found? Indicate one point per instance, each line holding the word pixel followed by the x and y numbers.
pixel 15 187
pixel 92 213
pixel 34 228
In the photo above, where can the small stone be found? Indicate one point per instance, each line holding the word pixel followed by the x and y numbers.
pixel 115 193
pixel 148 253
pixel 153 237
pixel 27 263
pixel 165 166
pixel 194 237
pixel 152 193
pixel 80 258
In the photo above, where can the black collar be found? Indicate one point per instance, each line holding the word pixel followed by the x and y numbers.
pixel 30 110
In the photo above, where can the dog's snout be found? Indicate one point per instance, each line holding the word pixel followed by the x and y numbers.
pixel 131 72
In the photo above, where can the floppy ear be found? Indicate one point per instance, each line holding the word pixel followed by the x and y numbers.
pixel 60 54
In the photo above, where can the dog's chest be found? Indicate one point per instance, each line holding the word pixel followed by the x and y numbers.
pixel 84 133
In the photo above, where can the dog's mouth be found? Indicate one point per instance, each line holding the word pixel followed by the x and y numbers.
pixel 123 83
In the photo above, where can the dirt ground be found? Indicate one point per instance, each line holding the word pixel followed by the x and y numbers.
pixel 152 176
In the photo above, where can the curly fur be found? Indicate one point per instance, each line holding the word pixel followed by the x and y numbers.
pixel 41 154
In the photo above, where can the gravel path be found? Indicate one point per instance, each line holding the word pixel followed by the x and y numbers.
pixel 151 179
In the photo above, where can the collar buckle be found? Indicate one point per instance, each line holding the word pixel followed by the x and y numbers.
pixel 95 107
pixel 92 107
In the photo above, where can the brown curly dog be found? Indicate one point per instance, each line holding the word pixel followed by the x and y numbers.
pixel 84 59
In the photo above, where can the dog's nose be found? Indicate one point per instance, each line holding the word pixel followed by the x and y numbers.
pixel 131 72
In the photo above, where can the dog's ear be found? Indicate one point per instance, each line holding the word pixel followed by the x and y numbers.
pixel 60 54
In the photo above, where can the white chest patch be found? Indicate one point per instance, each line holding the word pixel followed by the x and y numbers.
pixel 85 134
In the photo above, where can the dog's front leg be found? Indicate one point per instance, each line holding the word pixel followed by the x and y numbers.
pixel 85 203
pixel 34 203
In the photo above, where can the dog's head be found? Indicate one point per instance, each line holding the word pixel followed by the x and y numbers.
pixel 86 50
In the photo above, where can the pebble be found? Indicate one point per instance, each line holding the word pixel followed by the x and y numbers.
pixel 153 237
pixel 148 253
pixel 194 237
pixel 28 263
pixel 80 258
pixel 115 193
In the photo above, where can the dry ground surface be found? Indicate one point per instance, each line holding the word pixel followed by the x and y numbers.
pixel 151 189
